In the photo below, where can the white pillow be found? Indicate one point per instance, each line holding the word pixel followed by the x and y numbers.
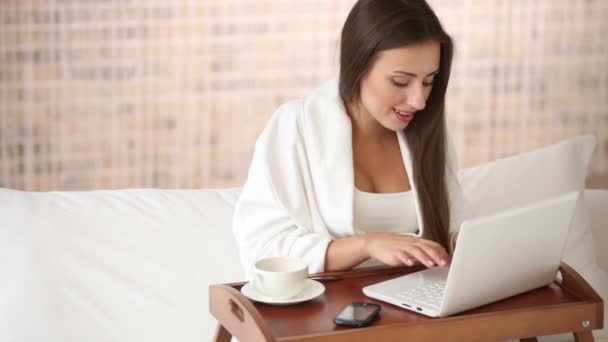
pixel 528 177
pixel 597 204
pixel 118 265
pixel 533 176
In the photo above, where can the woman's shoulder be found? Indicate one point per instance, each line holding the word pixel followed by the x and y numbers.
pixel 284 121
pixel 321 99
pixel 282 128
pixel 288 111
pixel 315 113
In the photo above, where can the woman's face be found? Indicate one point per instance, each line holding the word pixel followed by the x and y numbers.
pixel 398 84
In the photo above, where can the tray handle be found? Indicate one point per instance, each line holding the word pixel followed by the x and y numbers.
pixel 236 316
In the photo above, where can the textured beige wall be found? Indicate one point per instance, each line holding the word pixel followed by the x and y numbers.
pixel 172 94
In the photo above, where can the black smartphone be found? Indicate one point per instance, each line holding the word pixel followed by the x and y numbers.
pixel 357 314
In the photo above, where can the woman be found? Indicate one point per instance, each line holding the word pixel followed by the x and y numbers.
pixel 360 169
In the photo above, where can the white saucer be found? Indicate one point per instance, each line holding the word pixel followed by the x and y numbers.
pixel 311 290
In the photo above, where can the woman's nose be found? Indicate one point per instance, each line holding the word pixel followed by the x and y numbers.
pixel 416 98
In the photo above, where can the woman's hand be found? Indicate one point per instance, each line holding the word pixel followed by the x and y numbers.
pixel 395 250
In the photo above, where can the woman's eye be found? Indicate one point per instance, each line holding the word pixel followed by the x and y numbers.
pixel 398 84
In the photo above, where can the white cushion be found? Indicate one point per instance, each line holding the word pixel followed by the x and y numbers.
pixel 122 265
pixel 533 176
pixel 597 204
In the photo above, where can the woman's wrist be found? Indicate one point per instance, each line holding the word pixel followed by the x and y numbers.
pixel 346 253
pixel 365 242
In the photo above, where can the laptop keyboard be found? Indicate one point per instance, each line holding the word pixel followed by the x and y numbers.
pixel 429 295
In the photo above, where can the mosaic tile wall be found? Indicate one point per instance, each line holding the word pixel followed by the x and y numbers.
pixel 172 94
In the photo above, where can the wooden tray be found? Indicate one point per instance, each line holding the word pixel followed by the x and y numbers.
pixel 567 306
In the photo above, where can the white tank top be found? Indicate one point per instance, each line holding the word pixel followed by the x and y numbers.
pixel 384 212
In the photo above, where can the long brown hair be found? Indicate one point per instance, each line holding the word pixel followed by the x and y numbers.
pixel 376 25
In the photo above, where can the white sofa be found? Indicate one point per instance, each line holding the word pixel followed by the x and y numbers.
pixel 129 265
pixel 135 265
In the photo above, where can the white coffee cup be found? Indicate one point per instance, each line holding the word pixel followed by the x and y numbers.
pixel 280 277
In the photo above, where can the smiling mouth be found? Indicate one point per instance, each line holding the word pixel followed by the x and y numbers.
pixel 403 112
pixel 403 116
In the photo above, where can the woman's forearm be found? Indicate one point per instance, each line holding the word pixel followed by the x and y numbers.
pixel 346 253
pixel 388 248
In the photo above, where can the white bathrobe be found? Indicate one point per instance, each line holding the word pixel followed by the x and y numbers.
pixel 299 192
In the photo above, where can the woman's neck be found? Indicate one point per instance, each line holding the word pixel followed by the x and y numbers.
pixel 365 126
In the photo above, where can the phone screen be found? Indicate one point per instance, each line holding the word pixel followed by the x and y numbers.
pixel 357 312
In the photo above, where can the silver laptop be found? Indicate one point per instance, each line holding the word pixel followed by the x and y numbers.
pixel 496 257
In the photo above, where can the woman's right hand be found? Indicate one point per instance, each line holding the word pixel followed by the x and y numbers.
pixel 396 250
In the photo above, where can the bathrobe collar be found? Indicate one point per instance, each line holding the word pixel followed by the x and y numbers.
pixel 328 141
